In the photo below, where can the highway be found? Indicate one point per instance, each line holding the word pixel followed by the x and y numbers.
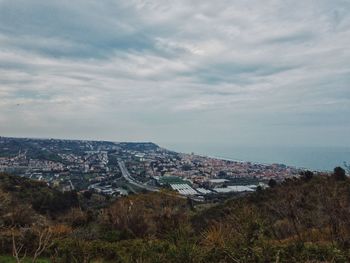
pixel 71 185
pixel 131 180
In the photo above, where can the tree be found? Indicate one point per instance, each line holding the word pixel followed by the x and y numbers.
pixel 307 175
pixel 339 174
pixel 18 246
pixel 222 174
pixel 272 183
pixel 87 194
pixel 44 236
pixel 22 245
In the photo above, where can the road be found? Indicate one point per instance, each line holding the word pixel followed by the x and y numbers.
pixel 71 185
pixel 132 181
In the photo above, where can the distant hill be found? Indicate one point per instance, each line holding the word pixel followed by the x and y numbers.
pixel 11 146
pixel 139 146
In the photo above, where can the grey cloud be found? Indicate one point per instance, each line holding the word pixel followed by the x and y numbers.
pixel 174 70
pixel 69 29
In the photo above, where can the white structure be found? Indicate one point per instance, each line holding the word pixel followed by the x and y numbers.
pixel 234 188
pixel 218 181
pixel 204 191
pixel 184 189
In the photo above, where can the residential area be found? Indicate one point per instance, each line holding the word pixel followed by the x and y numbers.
pixel 119 169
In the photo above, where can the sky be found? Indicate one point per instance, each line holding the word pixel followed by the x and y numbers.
pixel 273 72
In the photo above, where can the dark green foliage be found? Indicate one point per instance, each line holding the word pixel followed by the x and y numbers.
pixel 87 194
pixel 272 183
pixel 339 174
pixel 298 220
pixel 10 259
pixel 186 167
pixel 42 198
pixel 222 174
pixel 145 146
pixel 54 202
pixel 307 175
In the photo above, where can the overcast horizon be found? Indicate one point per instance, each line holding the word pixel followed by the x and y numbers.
pixel 175 72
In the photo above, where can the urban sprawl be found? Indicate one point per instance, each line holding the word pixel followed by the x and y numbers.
pixel 118 169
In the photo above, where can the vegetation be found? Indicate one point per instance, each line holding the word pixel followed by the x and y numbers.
pixel 300 220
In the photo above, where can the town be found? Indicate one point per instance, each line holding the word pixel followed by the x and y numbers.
pixel 121 168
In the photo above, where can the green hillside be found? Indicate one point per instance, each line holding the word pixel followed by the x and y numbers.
pixel 300 220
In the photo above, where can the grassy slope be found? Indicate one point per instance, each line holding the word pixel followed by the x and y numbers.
pixel 300 220
pixel 10 259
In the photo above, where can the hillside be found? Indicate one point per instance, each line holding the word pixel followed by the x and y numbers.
pixel 300 220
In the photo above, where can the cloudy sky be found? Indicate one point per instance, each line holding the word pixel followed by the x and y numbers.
pixel 253 72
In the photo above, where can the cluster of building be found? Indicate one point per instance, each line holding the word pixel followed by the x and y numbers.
pixel 191 174
pixel 67 171
pixel 95 166
pixel 211 188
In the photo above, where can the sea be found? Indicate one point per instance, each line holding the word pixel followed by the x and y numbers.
pixel 312 158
